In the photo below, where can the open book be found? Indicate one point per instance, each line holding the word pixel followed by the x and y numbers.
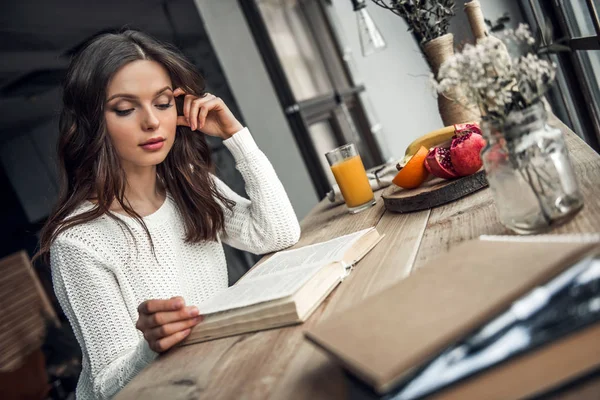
pixel 283 290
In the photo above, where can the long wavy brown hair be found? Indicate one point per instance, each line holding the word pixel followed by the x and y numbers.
pixel 89 165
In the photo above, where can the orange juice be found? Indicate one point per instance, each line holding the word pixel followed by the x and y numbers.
pixel 351 177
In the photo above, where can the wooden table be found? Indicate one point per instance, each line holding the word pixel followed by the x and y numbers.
pixel 280 363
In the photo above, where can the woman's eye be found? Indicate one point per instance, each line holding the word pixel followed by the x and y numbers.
pixel 164 106
pixel 123 113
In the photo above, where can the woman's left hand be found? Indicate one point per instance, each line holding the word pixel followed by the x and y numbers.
pixel 208 114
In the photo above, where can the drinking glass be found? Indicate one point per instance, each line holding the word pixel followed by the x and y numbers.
pixel 351 177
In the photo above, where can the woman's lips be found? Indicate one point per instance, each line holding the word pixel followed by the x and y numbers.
pixel 153 146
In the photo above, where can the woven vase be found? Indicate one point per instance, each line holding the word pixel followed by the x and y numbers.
pixel 436 52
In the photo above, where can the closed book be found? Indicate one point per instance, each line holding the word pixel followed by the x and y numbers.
pixel 390 336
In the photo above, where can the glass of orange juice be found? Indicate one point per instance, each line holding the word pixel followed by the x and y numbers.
pixel 351 177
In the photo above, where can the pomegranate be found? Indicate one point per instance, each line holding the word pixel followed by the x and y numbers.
pixel 460 129
pixel 465 152
pixel 438 163
pixel 427 167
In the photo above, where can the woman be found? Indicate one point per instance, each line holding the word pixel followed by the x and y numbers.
pixel 135 240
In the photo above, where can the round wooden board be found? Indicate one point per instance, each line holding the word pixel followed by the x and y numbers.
pixel 432 193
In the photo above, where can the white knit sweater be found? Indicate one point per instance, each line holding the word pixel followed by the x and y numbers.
pixel 101 275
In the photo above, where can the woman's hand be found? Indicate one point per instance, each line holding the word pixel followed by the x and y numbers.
pixel 208 114
pixel 165 323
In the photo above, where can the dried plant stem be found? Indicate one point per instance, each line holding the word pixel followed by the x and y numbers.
pixel 529 181
pixel 426 19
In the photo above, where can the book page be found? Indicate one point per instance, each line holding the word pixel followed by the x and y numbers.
pixel 260 289
pixel 280 276
pixel 321 253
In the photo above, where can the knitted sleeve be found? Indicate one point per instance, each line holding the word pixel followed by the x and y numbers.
pixel 266 222
pixel 89 294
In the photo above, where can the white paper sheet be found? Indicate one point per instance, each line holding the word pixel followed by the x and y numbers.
pixel 280 276
pixel 260 289
pixel 321 253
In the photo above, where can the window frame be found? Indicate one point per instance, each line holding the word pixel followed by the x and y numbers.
pixel 304 113
pixel 587 42
pixel 576 109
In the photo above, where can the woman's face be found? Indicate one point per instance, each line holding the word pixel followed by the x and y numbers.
pixel 140 112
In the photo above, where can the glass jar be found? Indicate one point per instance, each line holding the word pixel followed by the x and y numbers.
pixel 529 171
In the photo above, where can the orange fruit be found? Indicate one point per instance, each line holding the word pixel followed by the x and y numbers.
pixel 414 173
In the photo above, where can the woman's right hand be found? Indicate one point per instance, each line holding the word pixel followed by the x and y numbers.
pixel 165 323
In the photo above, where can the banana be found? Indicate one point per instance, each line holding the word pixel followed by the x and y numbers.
pixel 429 140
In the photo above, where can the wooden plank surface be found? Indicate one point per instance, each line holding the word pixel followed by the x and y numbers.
pixel 279 363
pixel 390 261
pixel 476 214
